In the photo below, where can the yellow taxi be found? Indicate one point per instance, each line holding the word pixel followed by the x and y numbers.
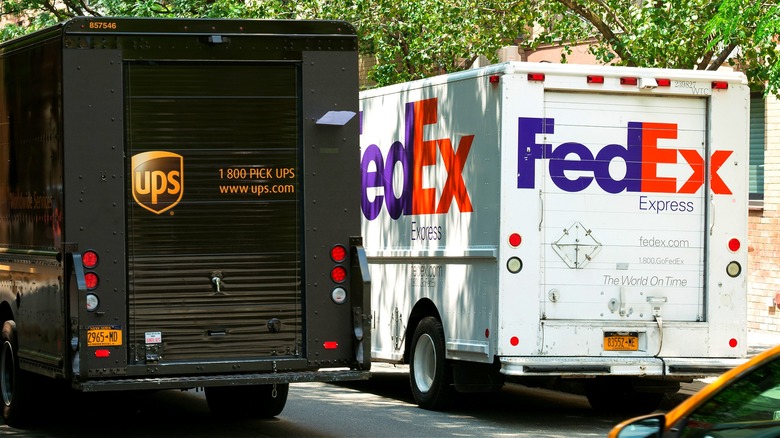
pixel 743 402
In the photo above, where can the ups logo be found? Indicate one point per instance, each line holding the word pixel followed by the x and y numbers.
pixel 157 179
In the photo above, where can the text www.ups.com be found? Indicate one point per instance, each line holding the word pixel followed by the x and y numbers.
pixel 257 189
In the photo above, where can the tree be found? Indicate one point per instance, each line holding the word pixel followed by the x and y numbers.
pixel 413 39
pixel 738 19
pixel 701 34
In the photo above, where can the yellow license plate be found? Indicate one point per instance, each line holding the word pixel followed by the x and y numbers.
pixel 621 341
pixel 104 336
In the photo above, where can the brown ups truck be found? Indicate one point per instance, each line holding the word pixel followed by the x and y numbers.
pixel 179 208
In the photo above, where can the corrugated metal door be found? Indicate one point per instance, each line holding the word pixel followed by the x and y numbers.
pixel 624 208
pixel 213 208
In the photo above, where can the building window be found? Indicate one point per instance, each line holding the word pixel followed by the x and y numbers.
pixel 757 147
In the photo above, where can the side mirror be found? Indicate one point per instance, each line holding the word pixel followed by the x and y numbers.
pixel 648 426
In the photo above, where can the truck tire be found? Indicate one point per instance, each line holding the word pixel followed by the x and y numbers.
pixel 617 395
pixel 13 381
pixel 430 374
pixel 254 401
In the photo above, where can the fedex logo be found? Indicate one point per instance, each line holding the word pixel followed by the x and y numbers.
pixel 641 155
pixel 414 154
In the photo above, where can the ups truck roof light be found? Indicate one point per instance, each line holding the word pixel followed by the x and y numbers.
pixel 593 79
pixel 494 79
pixel 629 81
pixel 720 85
pixel 338 274
pixel 536 77
pixel 663 82
pixel 89 259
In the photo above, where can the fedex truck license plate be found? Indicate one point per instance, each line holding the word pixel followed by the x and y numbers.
pixel 621 341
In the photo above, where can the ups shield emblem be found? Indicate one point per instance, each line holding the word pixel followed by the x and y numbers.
pixel 157 179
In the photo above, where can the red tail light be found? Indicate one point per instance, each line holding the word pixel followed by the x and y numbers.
pixel 338 274
pixel 338 253
pixel 92 280
pixel 89 259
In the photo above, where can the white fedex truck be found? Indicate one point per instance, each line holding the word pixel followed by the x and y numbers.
pixel 549 221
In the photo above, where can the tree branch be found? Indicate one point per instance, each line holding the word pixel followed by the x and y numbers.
pixel 602 27
pixel 724 54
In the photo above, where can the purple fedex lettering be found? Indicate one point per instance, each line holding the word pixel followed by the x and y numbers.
pixel 414 154
pixel 561 159
pixel 641 156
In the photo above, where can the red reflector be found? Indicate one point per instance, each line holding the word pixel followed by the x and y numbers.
pixel 330 345
pixel 494 79
pixel 734 245
pixel 89 259
pixel 664 82
pixel 91 279
pixel 514 341
pixel 102 353
pixel 515 240
pixel 720 85
pixel 535 76
pixel 629 81
pixel 732 343
pixel 338 274
pixel 338 253
pixel 595 79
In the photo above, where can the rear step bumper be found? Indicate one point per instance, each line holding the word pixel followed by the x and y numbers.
pixel 618 366
pixel 221 380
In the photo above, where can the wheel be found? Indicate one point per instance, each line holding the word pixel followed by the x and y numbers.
pixel 13 381
pixel 617 395
pixel 429 372
pixel 253 401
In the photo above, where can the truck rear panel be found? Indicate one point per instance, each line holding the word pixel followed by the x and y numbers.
pixel 563 220
pixel 203 235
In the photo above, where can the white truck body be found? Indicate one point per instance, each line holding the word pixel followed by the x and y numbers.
pixel 617 195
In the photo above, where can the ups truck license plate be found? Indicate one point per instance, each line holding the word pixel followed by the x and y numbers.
pixel 621 341
pixel 104 336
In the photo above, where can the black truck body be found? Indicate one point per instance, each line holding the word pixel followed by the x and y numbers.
pixel 179 208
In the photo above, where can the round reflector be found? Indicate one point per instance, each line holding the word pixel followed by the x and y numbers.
pixel 338 274
pixel 515 240
pixel 514 265
pixel 339 295
pixel 89 259
pixel 92 302
pixel 733 269
pixel 732 343
pixel 734 245
pixel 338 253
pixel 91 279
